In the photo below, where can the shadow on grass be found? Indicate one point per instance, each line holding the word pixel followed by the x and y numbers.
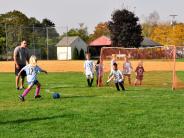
pixel 37 119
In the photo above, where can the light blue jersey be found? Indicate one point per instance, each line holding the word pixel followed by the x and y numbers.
pixel 31 72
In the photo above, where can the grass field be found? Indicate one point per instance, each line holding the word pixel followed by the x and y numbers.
pixel 145 112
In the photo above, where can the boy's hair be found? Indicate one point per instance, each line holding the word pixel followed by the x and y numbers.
pixel 115 64
pixel 33 60
pixel 98 61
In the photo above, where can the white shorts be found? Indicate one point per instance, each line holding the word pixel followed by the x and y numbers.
pixel 116 81
pixel 89 75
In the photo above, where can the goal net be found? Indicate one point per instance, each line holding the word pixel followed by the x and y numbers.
pixel 163 65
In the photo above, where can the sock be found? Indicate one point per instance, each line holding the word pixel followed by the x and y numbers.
pixel 91 82
pixel 117 86
pixel 122 86
pixel 88 82
pixel 25 92
pixel 37 90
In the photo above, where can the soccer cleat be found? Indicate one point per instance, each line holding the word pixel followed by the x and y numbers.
pixel 38 96
pixel 21 98
pixel 21 88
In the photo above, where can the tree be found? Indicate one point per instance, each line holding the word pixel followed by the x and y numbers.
pixel 81 54
pixel 81 32
pixel 169 35
pixel 18 26
pixel 125 30
pixel 48 23
pixel 149 23
pixel 100 29
pixel 75 54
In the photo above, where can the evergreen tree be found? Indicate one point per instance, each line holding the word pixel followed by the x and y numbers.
pixel 125 30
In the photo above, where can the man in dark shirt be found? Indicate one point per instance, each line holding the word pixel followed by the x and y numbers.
pixel 21 56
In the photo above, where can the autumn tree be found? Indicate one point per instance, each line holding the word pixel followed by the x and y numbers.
pixel 167 34
pixel 100 29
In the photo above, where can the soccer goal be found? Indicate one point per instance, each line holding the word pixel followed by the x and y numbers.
pixel 163 65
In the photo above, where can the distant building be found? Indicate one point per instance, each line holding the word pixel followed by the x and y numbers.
pixel 104 41
pixel 149 43
pixel 96 45
pixel 66 46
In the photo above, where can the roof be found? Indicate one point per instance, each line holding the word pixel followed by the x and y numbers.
pixel 101 41
pixel 148 42
pixel 67 40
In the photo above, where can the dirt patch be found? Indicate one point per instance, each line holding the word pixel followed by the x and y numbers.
pixel 77 66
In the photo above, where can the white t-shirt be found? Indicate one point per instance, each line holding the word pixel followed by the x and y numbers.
pixel 118 77
pixel 89 67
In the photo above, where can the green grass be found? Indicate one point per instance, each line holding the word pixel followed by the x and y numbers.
pixel 145 112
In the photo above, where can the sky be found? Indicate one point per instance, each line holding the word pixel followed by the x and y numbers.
pixel 91 12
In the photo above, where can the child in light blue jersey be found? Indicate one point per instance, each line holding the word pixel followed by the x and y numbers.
pixel 32 69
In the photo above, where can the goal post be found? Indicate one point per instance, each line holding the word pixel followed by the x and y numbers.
pixel 160 64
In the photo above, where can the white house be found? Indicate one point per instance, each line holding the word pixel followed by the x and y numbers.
pixel 66 46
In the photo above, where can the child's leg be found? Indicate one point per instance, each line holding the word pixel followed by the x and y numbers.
pixel 129 79
pixel 135 82
pixel 91 83
pixel 97 81
pixel 117 86
pixel 38 85
pixel 88 80
pixel 91 79
pixel 140 82
pixel 100 81
pixel 26 91
pixel 121 85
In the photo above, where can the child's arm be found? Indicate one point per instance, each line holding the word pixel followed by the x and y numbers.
pixel 131 65
pixel 110 77
pixel 44 71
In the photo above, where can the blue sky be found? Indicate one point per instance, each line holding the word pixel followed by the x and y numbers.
pixel 72 12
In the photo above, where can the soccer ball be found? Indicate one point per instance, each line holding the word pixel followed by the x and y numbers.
pixel 55 95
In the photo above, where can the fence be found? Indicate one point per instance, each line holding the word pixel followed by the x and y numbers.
pixel 41 40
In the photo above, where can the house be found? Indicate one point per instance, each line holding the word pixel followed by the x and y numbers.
pixel 149 43
pixel 66 46
pixel 103 41
pixel 96 45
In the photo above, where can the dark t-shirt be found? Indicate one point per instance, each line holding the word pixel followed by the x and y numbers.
pixel 22 55
pixel 139 70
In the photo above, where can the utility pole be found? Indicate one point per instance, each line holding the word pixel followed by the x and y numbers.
pixel 173 18
pixel 33 40
pixel 47 43
pixel 6 42
pixel 67 42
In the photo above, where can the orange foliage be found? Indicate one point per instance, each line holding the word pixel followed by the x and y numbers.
pixel 169 35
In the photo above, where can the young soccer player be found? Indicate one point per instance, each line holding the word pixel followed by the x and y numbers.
pixel 127 69
pixel 32 69
pixel 139 73
pixel 117 76
pixel 99 72
pixel 89 70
